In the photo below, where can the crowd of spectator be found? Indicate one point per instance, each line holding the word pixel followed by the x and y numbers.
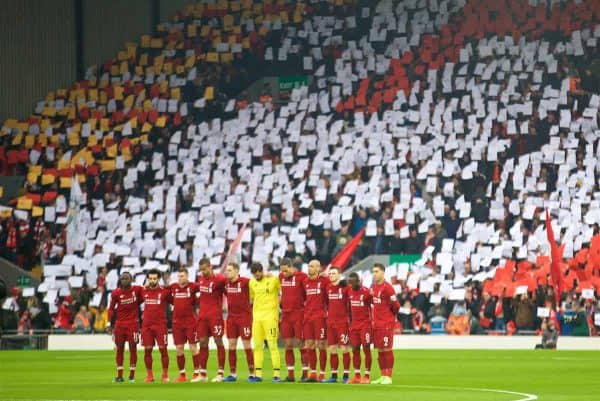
pixel 415 137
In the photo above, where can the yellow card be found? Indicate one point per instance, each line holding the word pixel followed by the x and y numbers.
pixel 24 203
pixel 161 121
pixel 108 165
pixel 73 139
pixel 48 179
pixel 65 182
pixel 212 57
pixel 111 151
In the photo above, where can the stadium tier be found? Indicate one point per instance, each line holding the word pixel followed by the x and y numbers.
pixel 462 132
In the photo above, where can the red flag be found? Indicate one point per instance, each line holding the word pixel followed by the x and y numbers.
pixel 233 248
pixel 556 253
pixel 345 255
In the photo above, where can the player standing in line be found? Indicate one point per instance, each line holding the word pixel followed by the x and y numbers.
pixel 315 309
pixel 211 289
pixel 154 324
pixel 124 317
pixel 292 316
pixel 239 319
pixel 264 294
pixel 183 298
pixel 385 308
pixel 360 327
pixel 338 311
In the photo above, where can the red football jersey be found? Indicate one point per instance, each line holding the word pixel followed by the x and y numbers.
pixel 126 305
pixel 155 300
pixel 337 304
pixel 210 295
pixel 293 294
pixel 385 304
pixel 360 307
pixel 184 301
pixel 238 299
pixel 316 298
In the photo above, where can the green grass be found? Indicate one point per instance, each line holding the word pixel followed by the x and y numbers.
pixel 418 375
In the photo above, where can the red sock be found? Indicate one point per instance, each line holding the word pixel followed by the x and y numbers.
pixel 196 362
pixel 389 362
pixel 132 359
pixel 148 360
pixel 232 361
pixel 312 359
pixel 290 361
pixel 385 369
pixel 368 359
pixel 203 357
pixel 381 361
pixel 164 360
pixel 181 364
pixel 335 363
pixel 119 359
pixel 220 359
pixel 304 359
pixel 356 359
pixel 346 362
pixel 250 360
pixel 322 360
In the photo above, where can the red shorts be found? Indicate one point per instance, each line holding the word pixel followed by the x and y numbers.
pixel 314 329
pixel 238 328
pixel 182 335
pixel 125 334
pixel 383 337
pixel 337 334
pixel 155 335
pixel 291 324
pixel 361 336
pixel 210 327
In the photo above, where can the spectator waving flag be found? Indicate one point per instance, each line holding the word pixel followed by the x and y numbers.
pixel 556 253
pixel 342 259
pixel 75 234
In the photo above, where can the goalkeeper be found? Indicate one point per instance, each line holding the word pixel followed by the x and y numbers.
pixel 264 295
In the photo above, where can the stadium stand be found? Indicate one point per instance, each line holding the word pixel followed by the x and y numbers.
pixel 443 128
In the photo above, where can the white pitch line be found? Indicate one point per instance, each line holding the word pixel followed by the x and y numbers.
pixel 525 396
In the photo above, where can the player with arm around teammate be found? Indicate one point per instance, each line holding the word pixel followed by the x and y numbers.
pixel 239 319
pixel 154 324
pixel 360 327
pixel 385 309
pixel 183 298
pixel 338 317
pixel 124 318
pixel 211 291
pixel 292 315
pixel 315 327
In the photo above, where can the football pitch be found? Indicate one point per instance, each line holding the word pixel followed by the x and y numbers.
pixel 418 375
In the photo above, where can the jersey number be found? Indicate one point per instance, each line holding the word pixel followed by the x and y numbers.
pixel 386 341
pixel 246 331
pixel 322 335
pixel 218 330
